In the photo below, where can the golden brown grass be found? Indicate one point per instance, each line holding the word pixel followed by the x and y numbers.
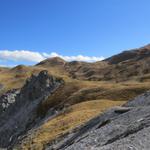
pixel 75 91
pixel 84 99
pixel 73 117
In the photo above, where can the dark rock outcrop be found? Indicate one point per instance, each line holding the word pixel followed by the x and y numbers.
pixel 22 114
pixel 120 128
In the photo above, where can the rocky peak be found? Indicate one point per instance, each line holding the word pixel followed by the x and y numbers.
pixel 38 85
pixel 22 114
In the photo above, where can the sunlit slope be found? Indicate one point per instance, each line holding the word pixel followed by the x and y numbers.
pixel 73 116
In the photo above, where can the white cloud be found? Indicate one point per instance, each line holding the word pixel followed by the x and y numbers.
pixel 30 56
pixel 7 66
pixel 21 55
pixel 72 58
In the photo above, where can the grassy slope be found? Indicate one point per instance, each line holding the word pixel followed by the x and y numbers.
pixel 85 99
pixel 74 92
pixel 74 116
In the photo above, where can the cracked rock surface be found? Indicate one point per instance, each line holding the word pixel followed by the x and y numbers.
pixel 120 128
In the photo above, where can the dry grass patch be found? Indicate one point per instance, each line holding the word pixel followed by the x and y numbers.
pixel 73 117
pixel 75 91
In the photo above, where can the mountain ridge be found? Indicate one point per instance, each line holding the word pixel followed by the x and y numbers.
pixel 63 99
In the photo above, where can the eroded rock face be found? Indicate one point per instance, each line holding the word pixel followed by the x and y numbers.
pixel 22 114
pixel 7 99
pixel 120 128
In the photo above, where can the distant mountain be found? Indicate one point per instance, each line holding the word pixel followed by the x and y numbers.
pixel 130 55
pixel 55 61
pixel 124 66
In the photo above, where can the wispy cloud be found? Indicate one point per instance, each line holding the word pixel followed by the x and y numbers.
pixel 35 57
pixel 72 58
pixel 7 66
pixel 21 55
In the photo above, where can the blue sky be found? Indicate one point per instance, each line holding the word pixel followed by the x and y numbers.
pixel 71 28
